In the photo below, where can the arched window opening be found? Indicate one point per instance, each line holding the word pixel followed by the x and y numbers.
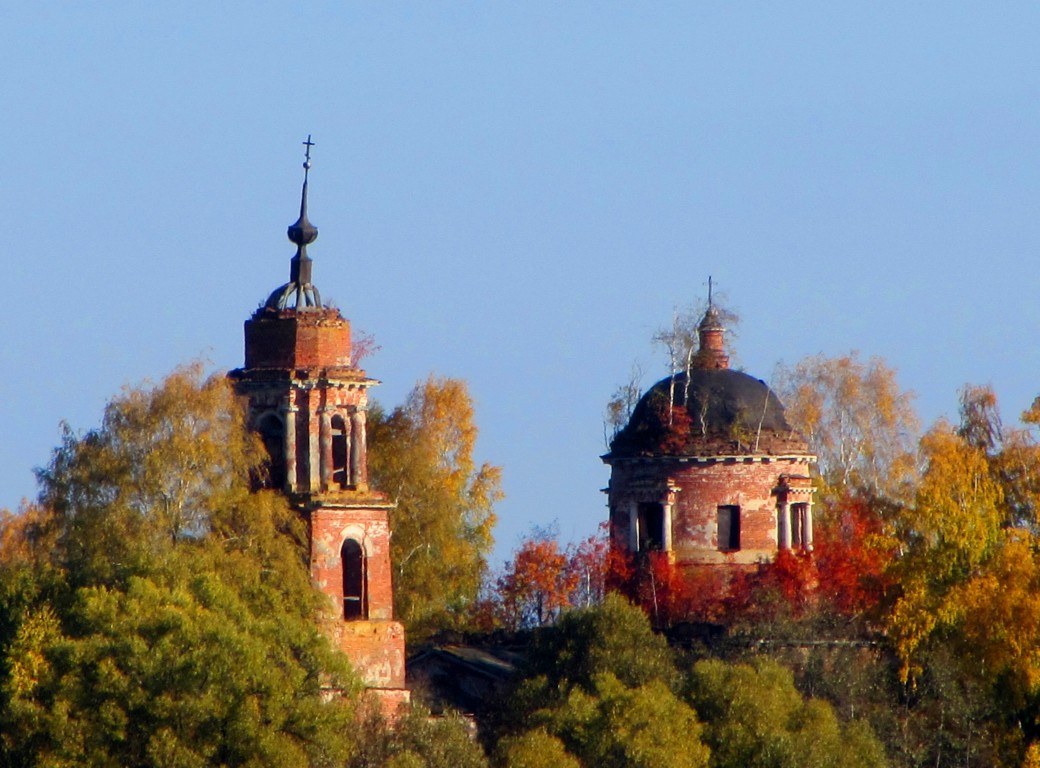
pixel 340 451
pixel 355 597
pixel 272 433
pixel 651 527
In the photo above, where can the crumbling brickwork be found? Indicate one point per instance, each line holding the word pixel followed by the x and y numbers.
pixel 289 339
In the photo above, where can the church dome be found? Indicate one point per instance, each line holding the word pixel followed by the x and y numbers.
pixel 712 411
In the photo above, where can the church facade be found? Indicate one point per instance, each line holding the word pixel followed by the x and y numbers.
pixel 307 399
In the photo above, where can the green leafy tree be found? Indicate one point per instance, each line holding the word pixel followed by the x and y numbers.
pixel 614 637
pixel 422 455
pixel 534 749
pixel 169 620
pixel 754 715
pixel 418 741
pixel 612 725
pixel 598 683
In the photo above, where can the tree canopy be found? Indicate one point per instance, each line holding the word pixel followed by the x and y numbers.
pixel 168 619
pixel 602 689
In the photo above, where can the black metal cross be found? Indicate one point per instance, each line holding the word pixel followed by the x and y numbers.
pixel 308 144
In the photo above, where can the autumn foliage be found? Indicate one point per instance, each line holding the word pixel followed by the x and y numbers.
pixel 852 556
pixel 542 580
pixel 537 584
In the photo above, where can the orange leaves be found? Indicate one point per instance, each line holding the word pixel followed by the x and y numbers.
pixel 852 556
pixel 847 575
pixel 677 431
pixel 537 584
pixel 543 579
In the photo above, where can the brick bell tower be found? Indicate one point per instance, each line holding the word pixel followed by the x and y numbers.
pixel 308 399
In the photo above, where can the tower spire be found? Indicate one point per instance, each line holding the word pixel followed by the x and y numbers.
pixel 302 233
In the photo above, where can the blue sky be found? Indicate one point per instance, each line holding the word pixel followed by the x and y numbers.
pixel 519 195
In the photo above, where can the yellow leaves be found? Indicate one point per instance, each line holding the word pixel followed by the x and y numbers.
pixel 181 443
pixel 857 420
pixel 163 459
pixel 1000 607
pixel 441 413
pixel 29 666
pixel 26 538
pixel 1032 758
pixel 969 579
pixel 990 619
pixel 911 621
pixel 958 502
pixel 949 534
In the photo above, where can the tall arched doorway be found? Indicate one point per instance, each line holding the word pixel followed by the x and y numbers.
pixel 355 597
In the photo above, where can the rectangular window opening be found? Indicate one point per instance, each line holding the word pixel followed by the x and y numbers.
pixel 729 528
pixel 651 526
pixel 797 521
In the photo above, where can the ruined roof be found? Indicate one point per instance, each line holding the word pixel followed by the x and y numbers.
pixel 712 411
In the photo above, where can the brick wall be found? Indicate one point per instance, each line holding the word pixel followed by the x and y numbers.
pixel 297 339
pixel 696 490
pixel 329 528
pixel 375 650
pixel 297 368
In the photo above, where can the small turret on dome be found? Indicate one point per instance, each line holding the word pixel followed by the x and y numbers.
pixel 711 354
pixel 299 293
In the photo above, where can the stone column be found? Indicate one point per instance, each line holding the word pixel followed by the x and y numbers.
pixel 358 449
pixel 785 524
pixel 807 537
pixel 289 414
pixel 633 526
pixel 313 444
pixel 325 428
pixel 666 523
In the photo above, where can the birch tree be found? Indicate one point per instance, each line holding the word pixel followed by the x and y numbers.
pixel 858 422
